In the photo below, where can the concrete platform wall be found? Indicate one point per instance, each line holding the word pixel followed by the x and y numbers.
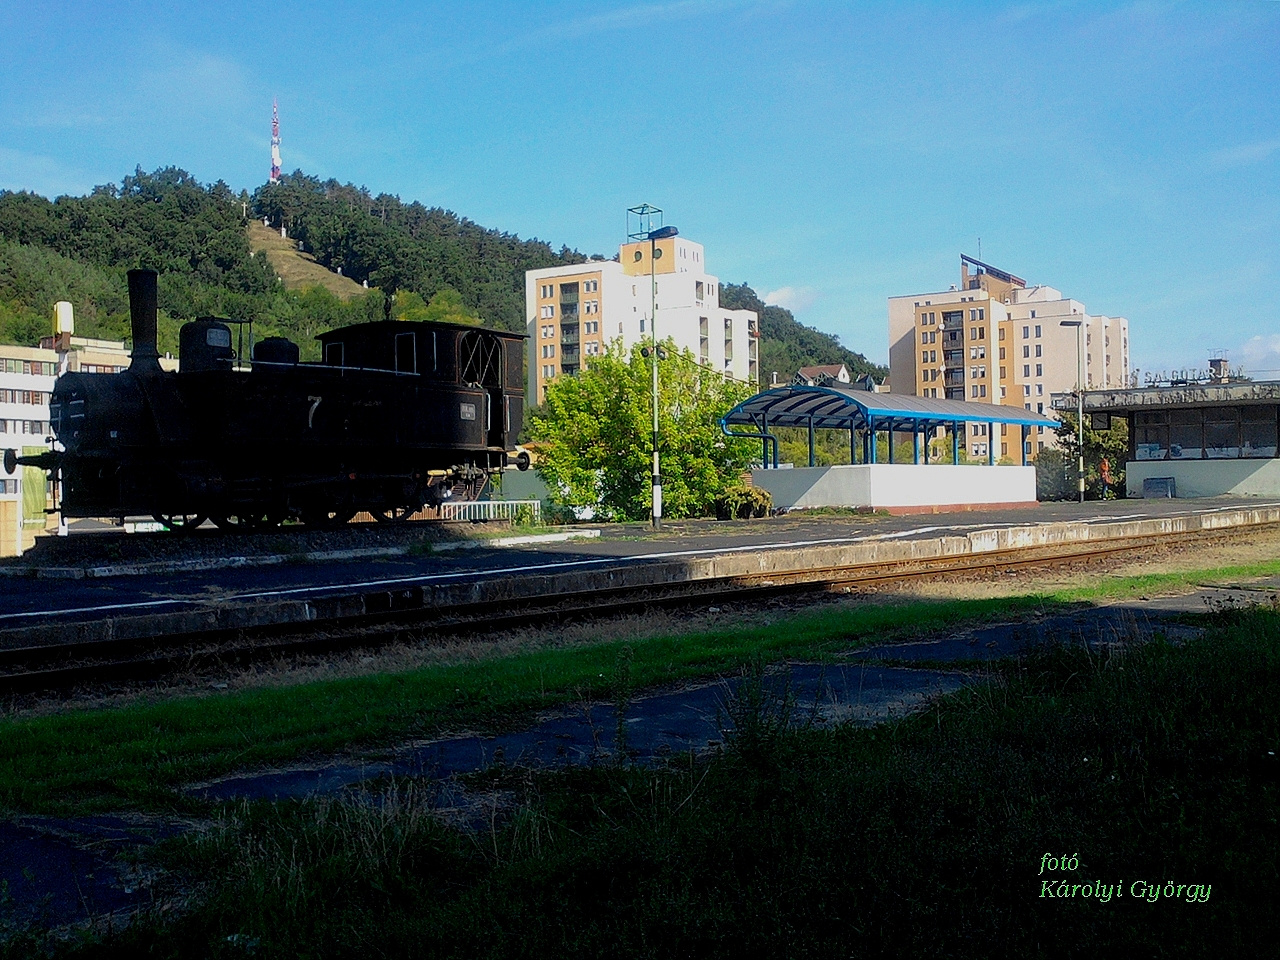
pixel 899 487
pixel 1208 478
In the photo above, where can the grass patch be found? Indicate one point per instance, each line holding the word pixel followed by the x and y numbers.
pixel 927 837
pixel 137 756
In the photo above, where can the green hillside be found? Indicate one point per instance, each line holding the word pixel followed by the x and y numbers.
pixel 296 269
pixel 786 345
pixel 215 258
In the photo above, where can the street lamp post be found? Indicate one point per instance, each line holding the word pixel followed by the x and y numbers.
pixel 1079 325
pixel 662 233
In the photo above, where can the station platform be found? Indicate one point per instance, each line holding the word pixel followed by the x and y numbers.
pixel 260 580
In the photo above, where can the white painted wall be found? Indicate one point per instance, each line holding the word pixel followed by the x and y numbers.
pixel 886 486
pixel 1209 478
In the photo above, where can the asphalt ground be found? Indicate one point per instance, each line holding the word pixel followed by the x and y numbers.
pixel 30 600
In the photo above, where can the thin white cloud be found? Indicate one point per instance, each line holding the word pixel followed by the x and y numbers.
pixel 793 298
pixel 1260 356
pixel 1245 154
pixel 20 170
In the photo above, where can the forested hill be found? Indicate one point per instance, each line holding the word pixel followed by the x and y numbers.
pixel 786 345
pixel 407 246
pixel 440 265
pixel 79 248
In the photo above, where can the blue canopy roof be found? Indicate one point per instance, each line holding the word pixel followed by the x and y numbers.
pixel 839 407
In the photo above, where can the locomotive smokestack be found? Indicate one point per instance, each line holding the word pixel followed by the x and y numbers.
pixel 143 303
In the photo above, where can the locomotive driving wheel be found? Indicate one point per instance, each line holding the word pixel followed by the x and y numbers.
pixel 179 522
pixel 394 514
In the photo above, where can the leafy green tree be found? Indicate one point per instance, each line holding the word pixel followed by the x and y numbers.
pixel 1112 445
pixel 593 436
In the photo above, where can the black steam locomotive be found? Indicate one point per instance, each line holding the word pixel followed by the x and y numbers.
pixel 395 416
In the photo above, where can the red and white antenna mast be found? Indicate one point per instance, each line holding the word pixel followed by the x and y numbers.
pixel 275 143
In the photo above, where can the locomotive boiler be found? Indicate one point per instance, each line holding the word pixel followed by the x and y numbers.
pixel 395 415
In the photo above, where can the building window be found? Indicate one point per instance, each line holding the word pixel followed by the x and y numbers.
pixel 1026 333
pixel 591 349
pixel 1039 389
pixel 1003 392
pixel 982 389
pixel 1039 408
pixel 548 350
pixel 924 337
pixel 1033 316
pixel 933 356
pixel 1039 369
pixel 1033 313
pixel 1003 372
pixel 1038 349
pixel 548 312
pixel 1026 389
pixel 975 390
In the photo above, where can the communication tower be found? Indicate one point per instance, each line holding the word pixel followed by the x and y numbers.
pixel 275 143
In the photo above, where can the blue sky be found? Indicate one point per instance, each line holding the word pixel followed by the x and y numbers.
pixel 830 154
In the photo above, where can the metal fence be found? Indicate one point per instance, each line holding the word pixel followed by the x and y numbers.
pixel 527 510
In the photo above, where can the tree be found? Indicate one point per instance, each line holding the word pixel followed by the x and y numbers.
pixel 1113 445
pixel 593 436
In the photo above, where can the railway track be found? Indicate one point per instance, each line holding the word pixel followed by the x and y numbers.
pixel 25 670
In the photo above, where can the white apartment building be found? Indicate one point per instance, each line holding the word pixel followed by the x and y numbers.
pixel 576 311
pixel 27 375
pixel 994 339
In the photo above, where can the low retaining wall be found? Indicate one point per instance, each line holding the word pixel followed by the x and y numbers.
pixel 1208 478
pixel 899 487
pixel 813 560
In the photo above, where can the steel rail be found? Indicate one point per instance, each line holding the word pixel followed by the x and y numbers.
pixel 56 667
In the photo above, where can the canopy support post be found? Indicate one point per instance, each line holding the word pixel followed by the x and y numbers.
pixel 871 433
pixel 1022 444
pixel 811 457
pixel 915 443
pixel 991 444
pixel 955 442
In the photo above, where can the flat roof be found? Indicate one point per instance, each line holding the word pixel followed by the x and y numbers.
pixel 840 407
pixel 1244 393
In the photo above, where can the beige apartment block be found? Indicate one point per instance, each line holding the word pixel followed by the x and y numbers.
pixel 575 312
pixel 994 339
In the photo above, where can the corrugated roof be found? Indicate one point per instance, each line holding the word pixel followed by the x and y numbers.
pixel 835 406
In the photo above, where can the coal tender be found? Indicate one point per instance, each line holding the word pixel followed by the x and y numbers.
pixel 395 416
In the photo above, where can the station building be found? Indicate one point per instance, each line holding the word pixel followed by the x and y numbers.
pixel 993 339
pixel 575 311
pixel 1195 439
